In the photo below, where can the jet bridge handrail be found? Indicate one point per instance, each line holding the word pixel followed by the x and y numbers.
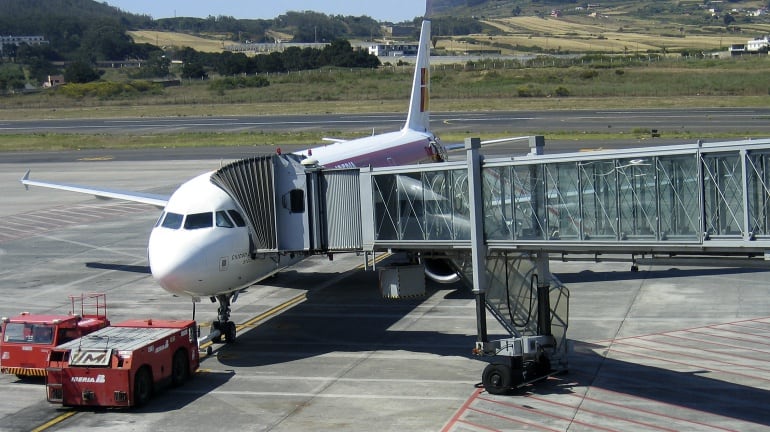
pixel 697 198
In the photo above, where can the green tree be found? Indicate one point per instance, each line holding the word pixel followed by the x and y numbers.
pixel 106 41
pixel 158 64
pixel 11 77
pixel 80 72
pixel 192 70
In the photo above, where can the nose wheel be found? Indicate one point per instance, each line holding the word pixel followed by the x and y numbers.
pixel 223 326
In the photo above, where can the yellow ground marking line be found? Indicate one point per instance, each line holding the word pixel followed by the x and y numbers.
pixel 55 421
pixel 265 315
pixel 274 311
pixel 285 305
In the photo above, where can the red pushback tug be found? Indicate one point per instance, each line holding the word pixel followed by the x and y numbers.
pixel 122 365
pixel 28 338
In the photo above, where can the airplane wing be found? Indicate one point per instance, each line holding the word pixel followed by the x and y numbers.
pixel 334 140
pixel 159 201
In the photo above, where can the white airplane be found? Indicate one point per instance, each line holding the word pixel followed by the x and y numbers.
pixel 201 244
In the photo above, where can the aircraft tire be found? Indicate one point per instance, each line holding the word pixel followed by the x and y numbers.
pixel 229 332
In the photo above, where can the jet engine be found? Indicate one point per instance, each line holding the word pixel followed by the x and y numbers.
pixel 440 270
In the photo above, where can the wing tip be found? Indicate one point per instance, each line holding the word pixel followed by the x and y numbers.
pixel 25 179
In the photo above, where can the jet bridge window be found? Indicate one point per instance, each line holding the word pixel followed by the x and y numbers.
pixel 237 218
pixel 198 221
pixel 172 221
pixel 223 220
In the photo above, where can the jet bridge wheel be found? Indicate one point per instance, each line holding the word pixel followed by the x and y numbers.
pixel 497 378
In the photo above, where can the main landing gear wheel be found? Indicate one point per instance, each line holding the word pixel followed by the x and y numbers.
pixel 223 324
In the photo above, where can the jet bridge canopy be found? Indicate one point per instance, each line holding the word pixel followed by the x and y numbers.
pixel 699 198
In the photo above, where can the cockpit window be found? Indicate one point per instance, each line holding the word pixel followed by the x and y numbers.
pixel 160 219
pixel 172 221
pixel 237 218
pixel 198 221
pixel 223 220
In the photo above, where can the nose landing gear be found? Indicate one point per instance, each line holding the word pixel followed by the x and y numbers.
pixel 223 326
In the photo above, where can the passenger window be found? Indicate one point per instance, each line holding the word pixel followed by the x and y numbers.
pixel 237 218
pixel 198 221
pixel 172 221
pixel 223 220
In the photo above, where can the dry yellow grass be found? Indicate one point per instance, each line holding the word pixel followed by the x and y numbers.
pixel 603 34
pixel 169 39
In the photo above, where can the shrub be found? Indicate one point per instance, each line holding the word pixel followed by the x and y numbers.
pixel 108 89
pixel 588 74
pixel 231 83
pixel 529 91
pixel 561 91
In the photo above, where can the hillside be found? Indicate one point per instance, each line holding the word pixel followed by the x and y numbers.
pixel 659 10
pixel 619 26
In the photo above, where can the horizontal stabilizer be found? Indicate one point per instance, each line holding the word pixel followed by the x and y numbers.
pixel 144 198
pixel 460 146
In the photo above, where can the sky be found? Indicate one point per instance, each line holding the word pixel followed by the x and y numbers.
pixel 390 10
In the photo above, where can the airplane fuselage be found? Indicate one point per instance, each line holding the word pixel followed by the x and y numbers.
pixel 200 245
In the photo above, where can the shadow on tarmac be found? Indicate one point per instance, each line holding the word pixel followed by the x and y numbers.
pixel 119 267
pixel 592 276
pixel 355 318
pixel 690 390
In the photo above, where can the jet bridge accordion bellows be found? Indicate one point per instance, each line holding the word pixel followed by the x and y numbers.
pixel 251 183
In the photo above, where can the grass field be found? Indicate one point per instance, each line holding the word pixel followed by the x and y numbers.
pixel 608 33
pixel 619 81
pixel 571 34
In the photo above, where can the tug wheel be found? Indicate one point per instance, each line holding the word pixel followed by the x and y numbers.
pixel 497 378
pixel 180 368
pixel 142 386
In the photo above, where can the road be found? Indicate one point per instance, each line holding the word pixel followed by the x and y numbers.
pixel 722 120
pixel 516 122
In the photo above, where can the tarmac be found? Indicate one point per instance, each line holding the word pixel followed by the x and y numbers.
pixel 664 348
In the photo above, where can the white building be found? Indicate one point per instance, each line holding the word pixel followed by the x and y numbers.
pixel 760 44
pixel 18 40
pixel 392 50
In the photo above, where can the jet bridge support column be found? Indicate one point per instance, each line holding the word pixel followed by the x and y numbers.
pixel 478 249
pixel 524 356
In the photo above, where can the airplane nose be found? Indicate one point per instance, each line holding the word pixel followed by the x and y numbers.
pixel 173 265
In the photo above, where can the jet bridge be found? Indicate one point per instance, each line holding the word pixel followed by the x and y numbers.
pixel 498 221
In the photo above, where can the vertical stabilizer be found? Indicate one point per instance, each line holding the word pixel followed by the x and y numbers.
pixel 419 106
